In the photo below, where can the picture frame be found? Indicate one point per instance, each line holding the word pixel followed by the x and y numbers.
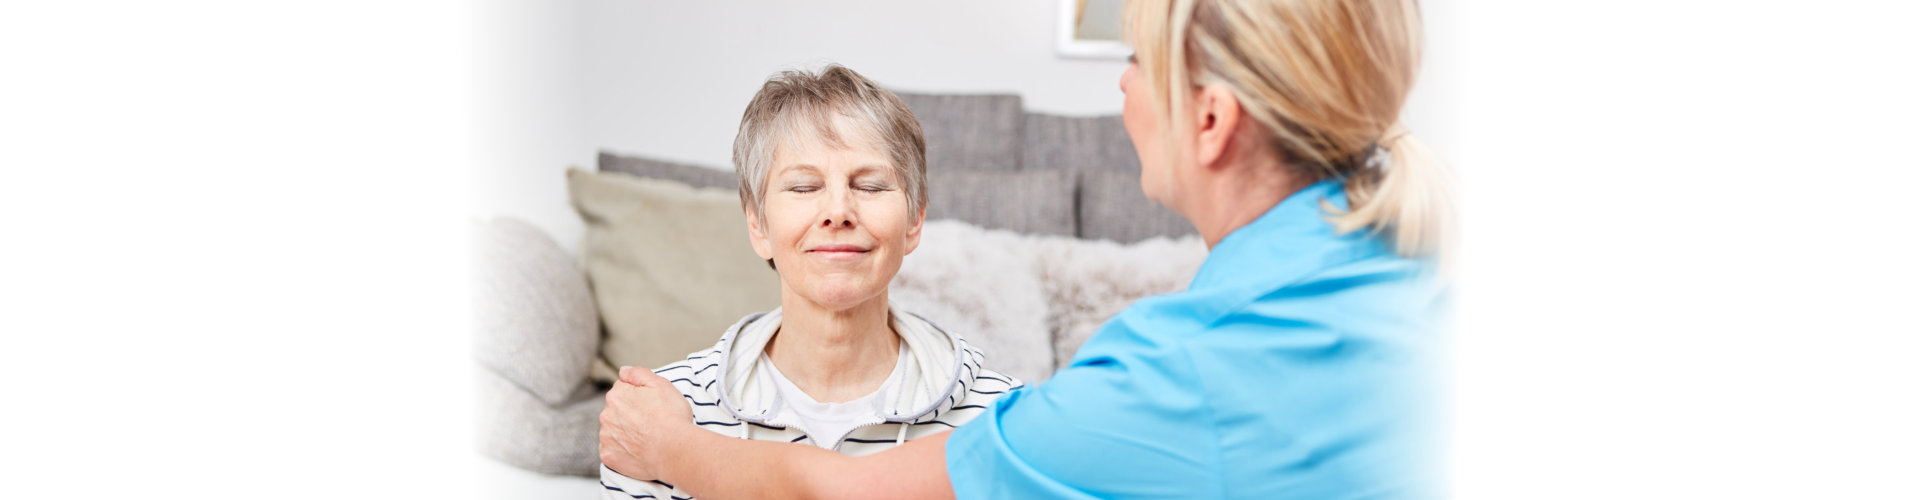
pixel 1090 29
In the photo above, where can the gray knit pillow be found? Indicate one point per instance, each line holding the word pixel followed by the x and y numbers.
pixel 534 317
pixel 548 437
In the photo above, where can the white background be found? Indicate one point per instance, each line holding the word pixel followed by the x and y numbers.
pixel 232 231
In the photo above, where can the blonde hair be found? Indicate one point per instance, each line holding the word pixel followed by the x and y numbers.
pixel 1326 80
pixel 794 101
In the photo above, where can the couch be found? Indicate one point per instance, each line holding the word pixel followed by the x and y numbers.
pixel 1037 232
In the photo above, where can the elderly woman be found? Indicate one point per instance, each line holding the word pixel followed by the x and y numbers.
pixel 833 179
pixel 1294 366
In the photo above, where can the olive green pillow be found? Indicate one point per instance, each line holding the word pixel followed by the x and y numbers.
pixel 670 266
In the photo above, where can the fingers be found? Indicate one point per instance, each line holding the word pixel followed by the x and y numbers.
pixel 621 399
pixel 639 376
pixel 616 436
pixel 625 393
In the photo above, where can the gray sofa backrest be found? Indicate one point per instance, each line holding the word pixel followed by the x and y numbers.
pixel 992 164
pixel 969 132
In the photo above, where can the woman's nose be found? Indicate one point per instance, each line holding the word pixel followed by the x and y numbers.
pixel 838 211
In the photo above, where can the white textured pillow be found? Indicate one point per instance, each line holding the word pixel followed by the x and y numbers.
pixel 1029 301
pixel 1087 282
pixel 980 284
pixel 534 318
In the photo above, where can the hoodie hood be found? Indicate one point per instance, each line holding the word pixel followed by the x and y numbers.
pixel 938 371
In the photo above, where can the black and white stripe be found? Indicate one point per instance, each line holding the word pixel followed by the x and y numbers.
pixel 696 378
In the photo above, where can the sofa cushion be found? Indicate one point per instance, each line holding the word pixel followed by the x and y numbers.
pixel 980 284
pixel 1073 143
pixel 534 319
pixel 1112 207
pixel 692 175
pixel 670 265
pixel 1033 202
pixel 968 132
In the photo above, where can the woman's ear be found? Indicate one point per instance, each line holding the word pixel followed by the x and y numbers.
pixel 757 234
pixel 913 230
pixel 1218 120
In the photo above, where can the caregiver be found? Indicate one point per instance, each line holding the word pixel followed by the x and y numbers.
pixel 1296 365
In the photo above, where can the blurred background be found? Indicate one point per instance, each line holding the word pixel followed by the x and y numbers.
pixel 233 251
pixel 561 81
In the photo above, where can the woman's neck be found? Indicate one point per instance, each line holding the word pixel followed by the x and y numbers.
pixel 1239 194
pixel 834 356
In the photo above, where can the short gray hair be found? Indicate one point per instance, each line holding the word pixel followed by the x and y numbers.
pixel 793 99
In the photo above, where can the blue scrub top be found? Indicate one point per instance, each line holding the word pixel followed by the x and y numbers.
pixel 1298 364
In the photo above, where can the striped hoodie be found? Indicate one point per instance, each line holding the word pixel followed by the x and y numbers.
pixel 943 386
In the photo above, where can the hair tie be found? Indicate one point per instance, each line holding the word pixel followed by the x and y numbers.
pixel 1377 158
pixel 1376 155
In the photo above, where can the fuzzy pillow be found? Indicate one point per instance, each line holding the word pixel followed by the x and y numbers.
pixel 980 284
pixel 1087 282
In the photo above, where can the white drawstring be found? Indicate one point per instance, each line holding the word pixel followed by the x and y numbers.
pixel 903 434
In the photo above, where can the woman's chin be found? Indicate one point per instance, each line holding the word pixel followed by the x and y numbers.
pixel 840 299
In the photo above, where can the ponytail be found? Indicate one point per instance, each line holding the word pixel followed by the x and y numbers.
pixel 1407 194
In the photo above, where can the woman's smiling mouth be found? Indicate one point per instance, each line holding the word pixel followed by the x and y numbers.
pixel 839 252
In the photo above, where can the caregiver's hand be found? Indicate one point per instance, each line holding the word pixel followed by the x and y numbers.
pixel 643 412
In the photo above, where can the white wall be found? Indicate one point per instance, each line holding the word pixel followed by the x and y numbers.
pixel 670 79
pixel 562 80
pixel 529 124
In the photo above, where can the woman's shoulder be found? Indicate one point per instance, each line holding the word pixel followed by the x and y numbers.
pixel 697 372
pixel 1343 281
pixel 986 387
pixel 994 382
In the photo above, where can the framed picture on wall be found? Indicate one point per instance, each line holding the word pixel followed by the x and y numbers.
pixel 1090 29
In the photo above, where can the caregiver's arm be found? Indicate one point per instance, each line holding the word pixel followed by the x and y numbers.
pixel 647 431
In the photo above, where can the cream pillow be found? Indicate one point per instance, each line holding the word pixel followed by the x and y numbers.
pixel 670 266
